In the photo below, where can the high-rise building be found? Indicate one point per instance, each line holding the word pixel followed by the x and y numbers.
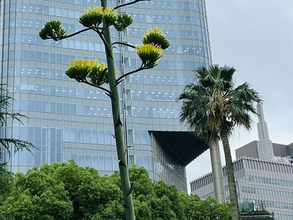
pixel 70 120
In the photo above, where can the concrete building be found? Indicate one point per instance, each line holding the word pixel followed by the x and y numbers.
pixel 251 150
pixel 264 149
pixel 70 120
pixel 263 174
pixel 259 181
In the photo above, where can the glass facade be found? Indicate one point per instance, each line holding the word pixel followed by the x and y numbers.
pixel 70 120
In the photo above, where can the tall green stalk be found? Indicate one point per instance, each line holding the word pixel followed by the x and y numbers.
pixel 95 74
pixel 125 182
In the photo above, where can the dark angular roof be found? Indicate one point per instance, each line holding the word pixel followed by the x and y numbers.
pixel 184 146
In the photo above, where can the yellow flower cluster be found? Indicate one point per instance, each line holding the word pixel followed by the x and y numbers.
pixel 149 49
pixel 83 63
pixel 156 30
pixel 89 64
pixel 110 11
pixel 101 10
pixel 96 9
pixel 83 70
pixel 149 54
pixel 103 67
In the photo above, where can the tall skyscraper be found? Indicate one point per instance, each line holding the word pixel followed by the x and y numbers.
pixel 70 120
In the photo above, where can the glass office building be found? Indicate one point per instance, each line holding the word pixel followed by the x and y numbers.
pixel 70 120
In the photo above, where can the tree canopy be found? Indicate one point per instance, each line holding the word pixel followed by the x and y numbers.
pixel 68 191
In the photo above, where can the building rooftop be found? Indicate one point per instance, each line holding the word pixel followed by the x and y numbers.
pixel 184 145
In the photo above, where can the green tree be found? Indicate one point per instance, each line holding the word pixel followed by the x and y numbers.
pixel 62 191
pixel 68 191
pixel 196 208
pixel 212 107
pixel 100 19
pixel 36 196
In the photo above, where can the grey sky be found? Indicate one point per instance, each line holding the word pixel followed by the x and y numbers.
pixel 256 37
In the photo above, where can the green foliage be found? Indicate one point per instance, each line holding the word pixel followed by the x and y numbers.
pixel 36 196
pixel 195 208
pixel 61 191
pixel 5 182
pixel 53 30
pixel 216 76
pixel 68 191
pixel 123 21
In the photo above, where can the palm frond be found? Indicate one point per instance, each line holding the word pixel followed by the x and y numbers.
pixel 213 104
pixel 18 145
pixel 13 116
pixel 215 71
pixel 227 73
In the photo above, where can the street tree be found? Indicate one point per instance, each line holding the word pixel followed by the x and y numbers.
pixel 212 107
pixel 100 19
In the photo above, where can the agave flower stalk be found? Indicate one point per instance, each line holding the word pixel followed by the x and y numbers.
pixel 121 150
pixel 99 19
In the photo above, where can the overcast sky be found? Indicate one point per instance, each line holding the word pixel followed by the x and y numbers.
pixel 256 37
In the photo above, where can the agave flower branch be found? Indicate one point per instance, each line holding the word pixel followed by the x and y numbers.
pixel 150 52
pixel 119 80
pixel 82 70
pixel 125 44
pixel 107 92
pixel 130 3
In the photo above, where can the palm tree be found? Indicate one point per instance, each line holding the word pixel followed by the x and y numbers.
pixel 5 114
pixel 212 107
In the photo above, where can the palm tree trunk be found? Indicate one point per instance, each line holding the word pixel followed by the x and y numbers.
pixel 217 172
pixel 230 175
pixel 124 175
